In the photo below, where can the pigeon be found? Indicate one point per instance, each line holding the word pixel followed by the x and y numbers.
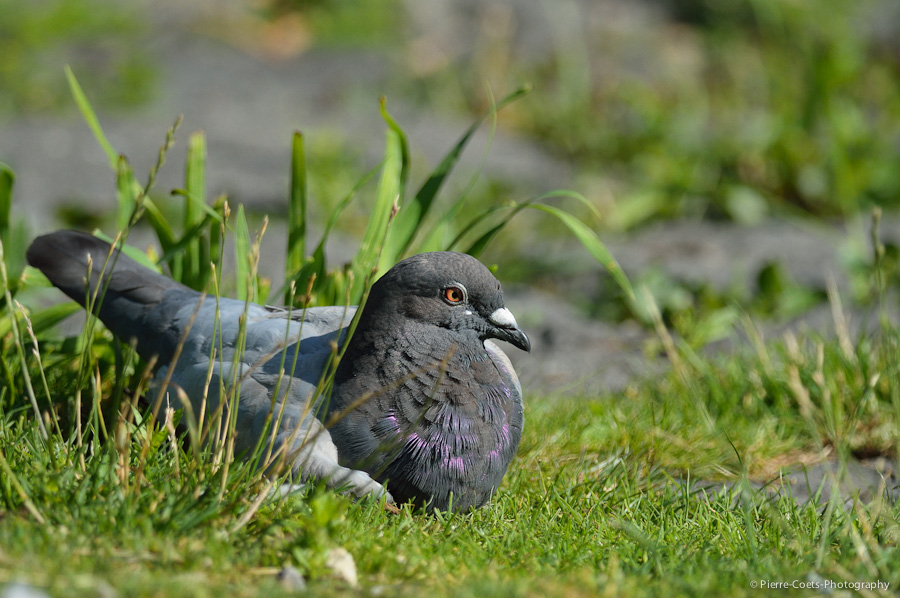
pixel 424 406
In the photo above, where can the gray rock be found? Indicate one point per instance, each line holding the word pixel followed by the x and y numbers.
pixel 18 589
pixel 865 480
pixel 291 579
pixel 341 563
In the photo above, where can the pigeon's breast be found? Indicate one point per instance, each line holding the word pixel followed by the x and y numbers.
pixel 460 439
pixel 432 415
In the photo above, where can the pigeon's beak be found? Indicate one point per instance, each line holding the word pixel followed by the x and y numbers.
pixel 507 329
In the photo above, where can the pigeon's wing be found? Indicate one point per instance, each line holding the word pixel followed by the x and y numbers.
pixel 133 301
pixel 274 381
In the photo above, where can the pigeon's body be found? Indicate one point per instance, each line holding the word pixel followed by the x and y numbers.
pixel 421 399
pixel 444 408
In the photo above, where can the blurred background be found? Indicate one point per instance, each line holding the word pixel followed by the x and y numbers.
pixel 734 150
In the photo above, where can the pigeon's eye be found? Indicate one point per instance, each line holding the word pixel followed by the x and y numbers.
pixel 454 295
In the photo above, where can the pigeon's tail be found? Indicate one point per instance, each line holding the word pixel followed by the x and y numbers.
pixel 122 291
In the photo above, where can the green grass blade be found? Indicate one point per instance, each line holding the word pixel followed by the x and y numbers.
pixel 479 244
pixel 436 238
pixel 166 237
pixel 482 242
pixel 132 252
pixel 296 210
pixel 565 193
pixel 403 146
pixel 579 229
pixel 397 240
pixel 178 248
pixel 242 251
pixel 91 119
pixel 195 202
pixel 45 319
pixel 7 180
pixel 197 241
pixel 213 212
pixel 127 192
pixel 15 236
pixel 409 219
pixel 367 258
pixel 592 243
pixel 217 233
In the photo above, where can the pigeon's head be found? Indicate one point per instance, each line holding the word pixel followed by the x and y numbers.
pixel 450 290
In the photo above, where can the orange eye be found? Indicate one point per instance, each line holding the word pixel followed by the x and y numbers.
pixel 453 294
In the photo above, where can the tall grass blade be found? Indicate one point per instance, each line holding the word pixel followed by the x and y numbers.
pixel 175 251
pixel 29 505
pixel 196 232
pixel 396 241
pixel 592 243
pixel 166 237
pixel 7 179
pixel 386 204
pixel 194 203
pixel 14 236
pixel 91 118
pixel 17 341
pixel 296 250
pixel 127 191
pixel 242 251
pixel 403 175
pixel 479 245
pixel 579 229
pixel 45 319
